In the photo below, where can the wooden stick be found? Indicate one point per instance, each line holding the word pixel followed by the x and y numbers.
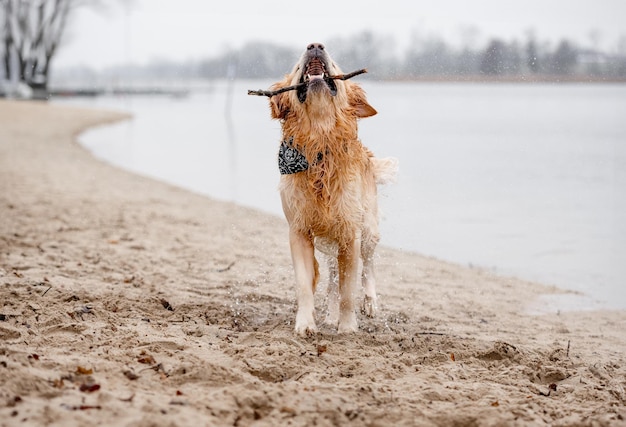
pixel 349 75
pixel 270 93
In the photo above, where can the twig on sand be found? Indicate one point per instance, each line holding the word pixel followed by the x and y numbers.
pixel 431 333
pixel 271 93
pixel 224 269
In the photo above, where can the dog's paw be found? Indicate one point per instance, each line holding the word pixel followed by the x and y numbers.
pixel 348 324
pixel 305 325
pixel 306 331
pixel 369 306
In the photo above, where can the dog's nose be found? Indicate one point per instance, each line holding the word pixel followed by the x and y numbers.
pixel 316 48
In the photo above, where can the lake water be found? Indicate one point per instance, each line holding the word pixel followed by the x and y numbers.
pixel 526 180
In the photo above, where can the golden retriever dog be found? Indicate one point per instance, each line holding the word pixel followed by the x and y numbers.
pixel 328 188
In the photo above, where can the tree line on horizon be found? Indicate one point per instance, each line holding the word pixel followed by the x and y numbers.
pixel 426 58
pixel 429 58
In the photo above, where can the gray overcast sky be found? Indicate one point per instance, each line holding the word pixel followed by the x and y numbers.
pixel 142 30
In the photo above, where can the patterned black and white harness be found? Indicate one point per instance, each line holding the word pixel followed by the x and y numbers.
pixel 291 160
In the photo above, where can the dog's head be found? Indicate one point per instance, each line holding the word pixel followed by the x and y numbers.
pixel 314 70
pixel 319 94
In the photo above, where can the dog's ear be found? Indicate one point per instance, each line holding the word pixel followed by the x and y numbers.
pixel 363 109
pixel 358 101
pixel 279 105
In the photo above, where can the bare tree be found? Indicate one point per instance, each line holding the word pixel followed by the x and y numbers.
pixel 5 39
pixel 32 31
pixel 51 21
pixel 36 28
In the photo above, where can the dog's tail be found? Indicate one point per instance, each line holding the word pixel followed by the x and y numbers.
pixel 385 170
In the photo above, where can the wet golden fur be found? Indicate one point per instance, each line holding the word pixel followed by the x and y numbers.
pixel 334 202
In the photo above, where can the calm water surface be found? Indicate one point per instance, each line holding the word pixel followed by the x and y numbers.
pixel 527 180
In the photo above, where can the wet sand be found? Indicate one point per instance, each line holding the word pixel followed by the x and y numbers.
pixel 126 301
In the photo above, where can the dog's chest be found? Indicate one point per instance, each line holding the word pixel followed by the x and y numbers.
pixel 324 206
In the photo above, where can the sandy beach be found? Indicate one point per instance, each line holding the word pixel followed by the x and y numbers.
pixel 128 302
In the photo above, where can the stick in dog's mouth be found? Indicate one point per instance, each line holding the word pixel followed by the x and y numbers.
pixel 270 93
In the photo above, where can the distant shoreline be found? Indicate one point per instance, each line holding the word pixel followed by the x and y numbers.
pixel 186 86
pixel 510 79
pixel 184 89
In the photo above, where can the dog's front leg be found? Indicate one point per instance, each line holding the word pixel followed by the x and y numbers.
pixel 348 260
pixel 368 279
pixel 304 264
pixel 332 318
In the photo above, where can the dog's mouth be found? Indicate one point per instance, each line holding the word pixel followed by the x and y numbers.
pixel 317 78
pixel 315 70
